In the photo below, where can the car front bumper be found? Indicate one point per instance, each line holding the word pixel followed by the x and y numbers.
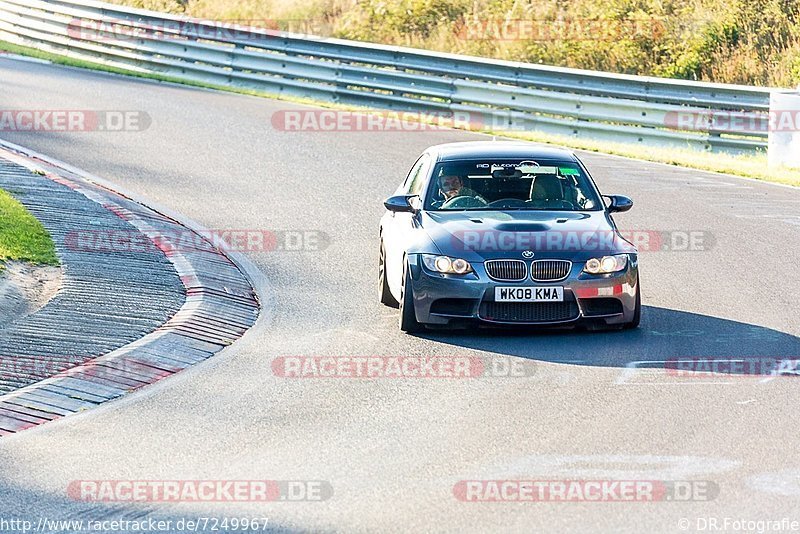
pixel 441 299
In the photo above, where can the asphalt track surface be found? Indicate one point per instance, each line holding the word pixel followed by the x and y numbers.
pixel 393 449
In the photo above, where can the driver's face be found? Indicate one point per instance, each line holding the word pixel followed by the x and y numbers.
pixel 450 186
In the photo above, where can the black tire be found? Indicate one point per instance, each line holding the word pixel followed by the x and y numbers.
pixel 637 314
pixel 384 294
pixel 408 319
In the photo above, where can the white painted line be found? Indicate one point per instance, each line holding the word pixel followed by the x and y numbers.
pixel 636 368
pixel 26 59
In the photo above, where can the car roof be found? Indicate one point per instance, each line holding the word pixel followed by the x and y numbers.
pixel 498 149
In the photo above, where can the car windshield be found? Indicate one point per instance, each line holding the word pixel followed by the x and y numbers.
pixel 511 185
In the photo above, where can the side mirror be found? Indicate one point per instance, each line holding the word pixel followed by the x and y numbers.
pixel 403 203
pixel 619 203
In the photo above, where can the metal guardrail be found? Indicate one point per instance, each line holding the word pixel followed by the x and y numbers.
pixel 504 95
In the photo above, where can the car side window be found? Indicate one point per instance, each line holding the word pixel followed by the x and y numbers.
pixel 406 187
pixel 420 172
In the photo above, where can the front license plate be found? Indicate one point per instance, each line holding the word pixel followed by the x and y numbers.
pixel 529 294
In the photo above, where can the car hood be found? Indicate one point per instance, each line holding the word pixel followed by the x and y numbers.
pixel 482 235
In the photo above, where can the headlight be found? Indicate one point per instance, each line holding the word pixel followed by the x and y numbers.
pixel 606 264
pixel 446 265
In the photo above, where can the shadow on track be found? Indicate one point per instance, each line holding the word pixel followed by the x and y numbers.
pixel 664 335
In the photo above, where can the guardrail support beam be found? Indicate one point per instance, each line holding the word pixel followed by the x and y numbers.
pixel 784 130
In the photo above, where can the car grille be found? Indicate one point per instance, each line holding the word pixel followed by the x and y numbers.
pixel 507 270
pixel 550 270
pixel 529 312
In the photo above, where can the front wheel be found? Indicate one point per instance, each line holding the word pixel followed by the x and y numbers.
pixel 408 319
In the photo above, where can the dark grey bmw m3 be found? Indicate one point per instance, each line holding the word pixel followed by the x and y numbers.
pixel 505 234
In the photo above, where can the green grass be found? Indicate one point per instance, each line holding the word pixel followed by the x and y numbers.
pixel 22 237
pixel 750 166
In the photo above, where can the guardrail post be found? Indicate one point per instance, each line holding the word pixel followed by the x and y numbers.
pixel 784 129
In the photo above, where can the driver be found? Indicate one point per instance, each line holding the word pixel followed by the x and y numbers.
pixel 452 186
